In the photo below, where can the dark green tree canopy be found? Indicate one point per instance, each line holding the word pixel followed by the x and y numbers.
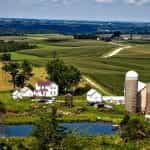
pixel 6 57
pixel 64 75
pixel 12 68
pixel 19 72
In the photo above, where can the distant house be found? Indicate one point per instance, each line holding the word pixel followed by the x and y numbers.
pixel 93 96
pixel 22 93
pixel 46 89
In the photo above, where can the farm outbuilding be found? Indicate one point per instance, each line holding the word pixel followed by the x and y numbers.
pixel 16 95
pixel 114 99
pixel 93 96
pixel 22 93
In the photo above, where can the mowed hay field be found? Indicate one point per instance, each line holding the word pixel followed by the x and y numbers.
pixel 87 56
pixel 4 80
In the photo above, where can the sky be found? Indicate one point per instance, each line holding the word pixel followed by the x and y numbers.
pixel 99 10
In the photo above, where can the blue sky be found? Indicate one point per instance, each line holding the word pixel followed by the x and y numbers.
pixel 102 10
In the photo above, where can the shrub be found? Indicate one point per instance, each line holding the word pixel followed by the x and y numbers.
pixel 134 129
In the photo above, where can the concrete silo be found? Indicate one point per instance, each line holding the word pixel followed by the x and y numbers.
pixel 131 91
pixel 148 99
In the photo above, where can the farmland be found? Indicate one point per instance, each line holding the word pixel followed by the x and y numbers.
pixel 87 55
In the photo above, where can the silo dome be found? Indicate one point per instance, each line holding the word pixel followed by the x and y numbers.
pixel 132 75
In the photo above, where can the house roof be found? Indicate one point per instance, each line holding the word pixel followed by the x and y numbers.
pixel 92 92
pixel 25 89
pixel 44 83
pixel 68 94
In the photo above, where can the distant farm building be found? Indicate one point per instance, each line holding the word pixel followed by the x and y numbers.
pixel 94 96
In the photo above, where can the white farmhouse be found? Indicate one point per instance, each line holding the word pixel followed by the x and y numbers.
pixel 93 96
pixel 46 89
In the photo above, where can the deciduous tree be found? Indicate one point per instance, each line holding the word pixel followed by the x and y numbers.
pixel 64 75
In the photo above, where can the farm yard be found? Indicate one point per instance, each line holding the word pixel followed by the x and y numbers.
pixel 107 74
pixel 87 55
pixel 27 111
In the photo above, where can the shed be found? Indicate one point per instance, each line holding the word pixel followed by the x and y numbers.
pixel 93 96
pixel 26 92
pixel 16 95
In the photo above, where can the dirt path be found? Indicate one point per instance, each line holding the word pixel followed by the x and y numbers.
pixel 95 85
pixel 108 55
pixel 116 51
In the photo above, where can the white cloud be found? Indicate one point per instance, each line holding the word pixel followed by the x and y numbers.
pixel 104 1
pixel 137 2
pixel 132 2
pixel 66 2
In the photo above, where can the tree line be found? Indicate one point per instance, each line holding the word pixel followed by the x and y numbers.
pixel 11 46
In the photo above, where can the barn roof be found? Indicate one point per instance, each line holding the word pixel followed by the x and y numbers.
pixel 92 92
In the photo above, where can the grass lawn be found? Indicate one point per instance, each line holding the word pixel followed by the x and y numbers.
pixel 26 111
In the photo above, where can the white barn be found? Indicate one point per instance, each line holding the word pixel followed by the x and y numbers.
pixel 93 96
pixel 114 99
pixel 46 89
pixel 22 93
pixel 26 92
pixel 16 95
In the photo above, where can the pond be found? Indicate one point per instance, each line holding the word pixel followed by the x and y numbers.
pixel 83 128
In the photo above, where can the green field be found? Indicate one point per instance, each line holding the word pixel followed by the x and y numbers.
pixel 87 56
